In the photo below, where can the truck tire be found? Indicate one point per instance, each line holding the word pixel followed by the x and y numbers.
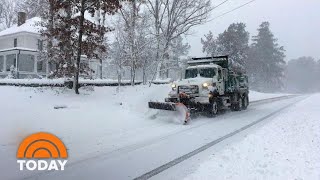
pixel 237 106
pixel 213 108
pixel 245 102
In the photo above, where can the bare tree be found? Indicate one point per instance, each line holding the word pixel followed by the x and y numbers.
pixel 33 8
pixel 119 50
pixel 136 23
pixel 9 14
pixel 1 14
pixel 174 18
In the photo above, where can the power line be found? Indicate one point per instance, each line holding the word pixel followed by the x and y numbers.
pixel 232 9
pixel 220 4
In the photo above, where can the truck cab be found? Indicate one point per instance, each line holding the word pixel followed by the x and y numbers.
pixel 209 84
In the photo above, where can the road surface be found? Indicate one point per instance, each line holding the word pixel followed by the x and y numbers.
pixel 154 158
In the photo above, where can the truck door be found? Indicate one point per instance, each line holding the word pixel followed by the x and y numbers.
pixel 220 84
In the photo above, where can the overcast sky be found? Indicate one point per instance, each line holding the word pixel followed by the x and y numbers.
pixel 296 23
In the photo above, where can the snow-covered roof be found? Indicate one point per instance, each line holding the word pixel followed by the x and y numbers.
pixel 203 66
pixel 31 26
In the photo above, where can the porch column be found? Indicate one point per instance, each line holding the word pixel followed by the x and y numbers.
pixel 35 70
pixel 17 65
pixel 47 69
pixel 5 63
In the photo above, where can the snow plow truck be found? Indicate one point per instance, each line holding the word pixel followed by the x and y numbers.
pixel 209 86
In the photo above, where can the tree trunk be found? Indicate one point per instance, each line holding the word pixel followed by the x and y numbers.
pixel 119 75
pixel 165 61
pixel 101 24
pixel 144 73
pixel 77 69
pixel 157 26
pixel 68 49
pixel 50 28
pixel 132 42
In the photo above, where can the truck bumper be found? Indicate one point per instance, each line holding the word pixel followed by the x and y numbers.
pixel 202 100
pixel 196 100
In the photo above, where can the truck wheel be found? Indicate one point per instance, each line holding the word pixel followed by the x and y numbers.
pixel 238 105
pixel 214 108
pixel 245 102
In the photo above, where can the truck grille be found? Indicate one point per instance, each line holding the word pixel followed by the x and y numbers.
pixel 188 89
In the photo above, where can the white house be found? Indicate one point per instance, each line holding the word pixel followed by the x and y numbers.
pixel 19 50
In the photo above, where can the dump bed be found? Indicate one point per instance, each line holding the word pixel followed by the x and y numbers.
pixel 222 61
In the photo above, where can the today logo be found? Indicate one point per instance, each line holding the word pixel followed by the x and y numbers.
pixel 42 151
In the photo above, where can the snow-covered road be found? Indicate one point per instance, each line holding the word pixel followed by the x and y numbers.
pixel 114 137
pixel 285 148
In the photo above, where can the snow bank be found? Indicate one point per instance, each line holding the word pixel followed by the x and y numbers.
pixel 32 81
pixel 286 148
pixel 162 81
pixel 254 95
pixel 61 82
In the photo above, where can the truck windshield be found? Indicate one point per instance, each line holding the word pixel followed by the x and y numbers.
pixel 205 72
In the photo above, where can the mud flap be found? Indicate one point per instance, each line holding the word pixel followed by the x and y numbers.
pixel 183 113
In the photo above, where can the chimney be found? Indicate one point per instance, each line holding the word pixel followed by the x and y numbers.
pixel 22 17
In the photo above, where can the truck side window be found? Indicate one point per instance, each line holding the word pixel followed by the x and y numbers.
pixel 219 74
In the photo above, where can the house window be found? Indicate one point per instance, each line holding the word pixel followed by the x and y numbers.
pixel 41 66
pixel 15 42
pixel 11 61
pixel 40 45
pixel 26 62
pixel 219 74
pixel 1 63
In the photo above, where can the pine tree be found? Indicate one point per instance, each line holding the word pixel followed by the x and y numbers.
pixel 266 61
pixel 209 44
pixel 233 42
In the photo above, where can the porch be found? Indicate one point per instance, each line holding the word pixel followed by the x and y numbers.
pixel 22 63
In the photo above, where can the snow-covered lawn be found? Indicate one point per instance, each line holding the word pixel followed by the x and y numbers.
pixel 100 120
pixel 286 148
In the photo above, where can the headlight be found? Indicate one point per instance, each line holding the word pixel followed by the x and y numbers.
pixel 205 85
pixel 173 86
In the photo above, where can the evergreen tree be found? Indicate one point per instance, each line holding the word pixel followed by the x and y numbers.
pixel 266 61
pixel 233 42
pixel 209 44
